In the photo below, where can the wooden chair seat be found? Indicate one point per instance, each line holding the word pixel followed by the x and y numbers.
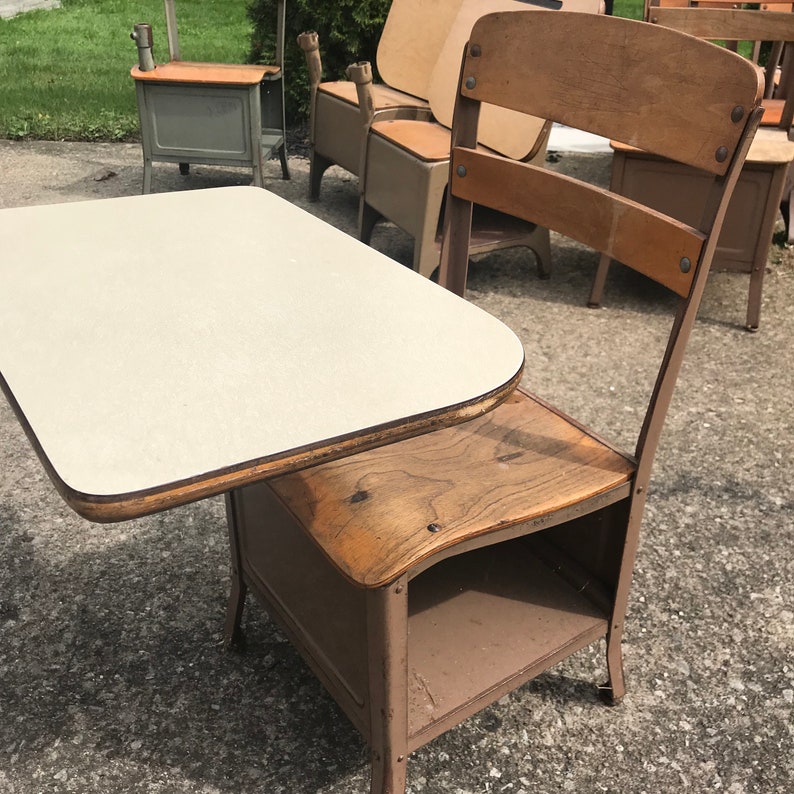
pixel 385 97
pixel 767 147
pixel 425 140
pixel 372 513
pixel 773 112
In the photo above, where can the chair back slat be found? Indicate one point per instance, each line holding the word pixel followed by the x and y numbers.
pixel 648 241
pixel 619 95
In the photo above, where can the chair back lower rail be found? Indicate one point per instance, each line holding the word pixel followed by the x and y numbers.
pixel 654 244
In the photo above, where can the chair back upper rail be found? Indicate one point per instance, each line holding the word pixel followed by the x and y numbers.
pixel 618 96
pixel 728 24
pixel 650 242
pixel 507 62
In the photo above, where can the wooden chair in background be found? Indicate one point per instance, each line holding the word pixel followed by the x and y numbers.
pixel 405 163
pixel 413 36
pixel 676 189
pixel 424 580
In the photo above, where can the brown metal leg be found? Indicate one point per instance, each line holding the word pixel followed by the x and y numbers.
pixel 614 689
pixel 232 632
pixel 754 296
pixel 776 192
pixel 600 279
pixel 387 630
pixel 542 250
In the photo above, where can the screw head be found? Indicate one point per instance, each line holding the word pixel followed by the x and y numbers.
pixel 470 83
pixel 721 154
pixel 737 114
pixel 475 51
pixel 433 527
pixel 461 170
pixel 685 264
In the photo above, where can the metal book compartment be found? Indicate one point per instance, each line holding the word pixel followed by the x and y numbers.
pixel 476 624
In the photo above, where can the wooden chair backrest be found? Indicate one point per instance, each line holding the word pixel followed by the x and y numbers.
pixel 413 36
pixel 509 133
pixel 638 89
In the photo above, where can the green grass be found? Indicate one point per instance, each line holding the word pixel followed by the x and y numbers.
pixel 65 73
pixel 630 9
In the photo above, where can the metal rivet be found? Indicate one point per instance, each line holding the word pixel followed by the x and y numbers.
pixel 685 264
pixel 721 154
pixel 476 51
pixel 461 170
pixel 737 114
pixel 398 589
pixel 470 83
pixel 433 527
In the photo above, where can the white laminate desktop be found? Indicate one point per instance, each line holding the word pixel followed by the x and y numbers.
pixel 191 342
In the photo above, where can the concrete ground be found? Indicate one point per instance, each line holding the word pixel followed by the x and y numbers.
pixel 112 674
pixel 11 8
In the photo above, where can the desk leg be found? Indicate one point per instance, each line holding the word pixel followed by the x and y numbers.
pixel 232 633
pixel 387 628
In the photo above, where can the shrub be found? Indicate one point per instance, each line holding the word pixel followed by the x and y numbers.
pixel 349 31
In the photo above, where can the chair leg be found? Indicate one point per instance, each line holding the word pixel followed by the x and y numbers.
pixel 368 217
pixel 785 211
pixel 427 255
pixel 257 167
pixel 787 206
pixel 387 631
pixel 541 245
pixel 282 156
pixel 232 632
pixel 147 175
pixel 599 281
pixel 754 296
pixel 318 165
pixel 614 689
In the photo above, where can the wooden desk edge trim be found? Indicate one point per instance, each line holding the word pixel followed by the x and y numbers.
pixel 194 72
pixel 122 507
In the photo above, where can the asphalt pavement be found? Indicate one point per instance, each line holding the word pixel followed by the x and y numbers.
pixel 113 678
